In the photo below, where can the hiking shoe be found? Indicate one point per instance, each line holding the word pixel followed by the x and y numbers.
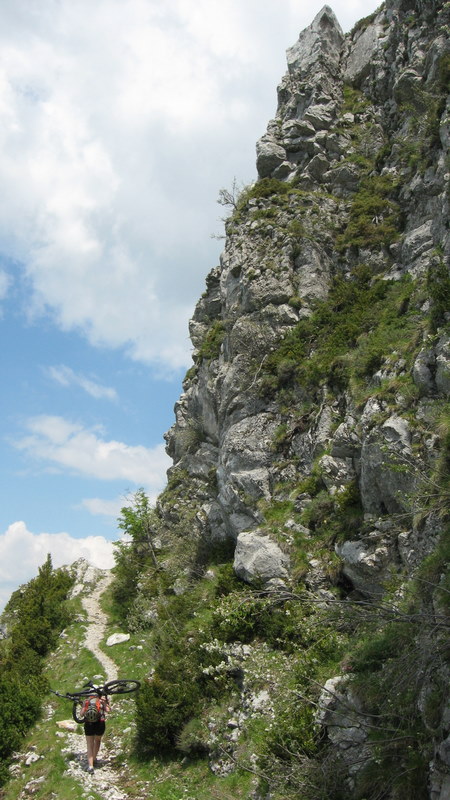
pixel 91 770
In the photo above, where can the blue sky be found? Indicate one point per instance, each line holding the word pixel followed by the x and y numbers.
pixel 120 123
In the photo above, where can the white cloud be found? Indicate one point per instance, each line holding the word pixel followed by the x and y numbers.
pixel 66 376
pixel 106 508
pixel 82 451
pixel 119 123
pixel 34 548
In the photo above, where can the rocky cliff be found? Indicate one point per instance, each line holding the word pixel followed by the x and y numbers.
pixel 312 440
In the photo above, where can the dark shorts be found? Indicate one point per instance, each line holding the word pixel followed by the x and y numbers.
pixel 94 728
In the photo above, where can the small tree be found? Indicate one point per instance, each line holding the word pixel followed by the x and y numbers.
pixel 137 521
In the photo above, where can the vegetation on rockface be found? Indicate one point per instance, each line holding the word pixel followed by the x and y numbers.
pixel 347 337
pixel 210 347
pixel 35 615
pixel 374 215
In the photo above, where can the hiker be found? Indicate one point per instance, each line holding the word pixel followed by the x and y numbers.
pixel 94 711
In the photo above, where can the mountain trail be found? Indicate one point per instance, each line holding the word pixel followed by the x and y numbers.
pixel 109 773
pixel 96 626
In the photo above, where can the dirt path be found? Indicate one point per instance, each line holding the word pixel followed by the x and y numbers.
pixel 105 780
pixel 97 621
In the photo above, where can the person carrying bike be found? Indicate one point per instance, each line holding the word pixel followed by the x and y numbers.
pixel 93 714
pixel 90 707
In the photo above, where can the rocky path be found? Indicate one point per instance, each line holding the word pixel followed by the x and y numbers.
pixel 97 621
pixel 105 780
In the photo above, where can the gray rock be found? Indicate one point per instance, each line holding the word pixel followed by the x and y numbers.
pixel 319 42
pixel 312 269
pixel 318 166
pixel 407 88
pixel 117 638
pixel 423 370
pixel 442 376
pixel 269 155
pixel 388 472
pixel 344 176
pixel 346 442
pixel 259 558
pixel 340 713
pixel 320 116
pixel 362 54
pixel 297 129
pixel 336 472
pixel 416 245
pixel 367 566
pixel 31 758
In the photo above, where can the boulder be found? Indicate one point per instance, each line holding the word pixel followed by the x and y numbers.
pixel 117 638
pixel 344 177
pixel 269 155
pixel 67 725
pixel 258 558
pixel 366 565
pixel 320 116
pixel 297 128
pixel 340 713
pixel 318 166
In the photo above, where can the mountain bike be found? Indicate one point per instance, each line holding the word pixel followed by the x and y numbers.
pixel 119 686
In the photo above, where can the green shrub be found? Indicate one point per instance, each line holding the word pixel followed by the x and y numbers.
pixel 374 218
pixel 293 733
pixel 227 581
pixel 36 614
pixel 268 187
pixel 372 653
pixel 193 738
pixel 210 347
pixel 236 618
pixel 19 708
pixel 162 708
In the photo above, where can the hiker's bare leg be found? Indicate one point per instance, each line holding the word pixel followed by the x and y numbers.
pixel 97 743
pixel 90 745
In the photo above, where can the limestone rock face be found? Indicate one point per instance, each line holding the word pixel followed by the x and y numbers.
pixel 309 424
pixel 320 43
pixel 387 468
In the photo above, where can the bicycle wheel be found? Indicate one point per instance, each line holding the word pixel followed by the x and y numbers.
pixel 121 687
pixel 82 693
pixel 80 720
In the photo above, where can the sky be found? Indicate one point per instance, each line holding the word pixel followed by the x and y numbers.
pixel 120 121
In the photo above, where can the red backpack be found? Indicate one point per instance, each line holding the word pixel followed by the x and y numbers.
pixel 93 709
